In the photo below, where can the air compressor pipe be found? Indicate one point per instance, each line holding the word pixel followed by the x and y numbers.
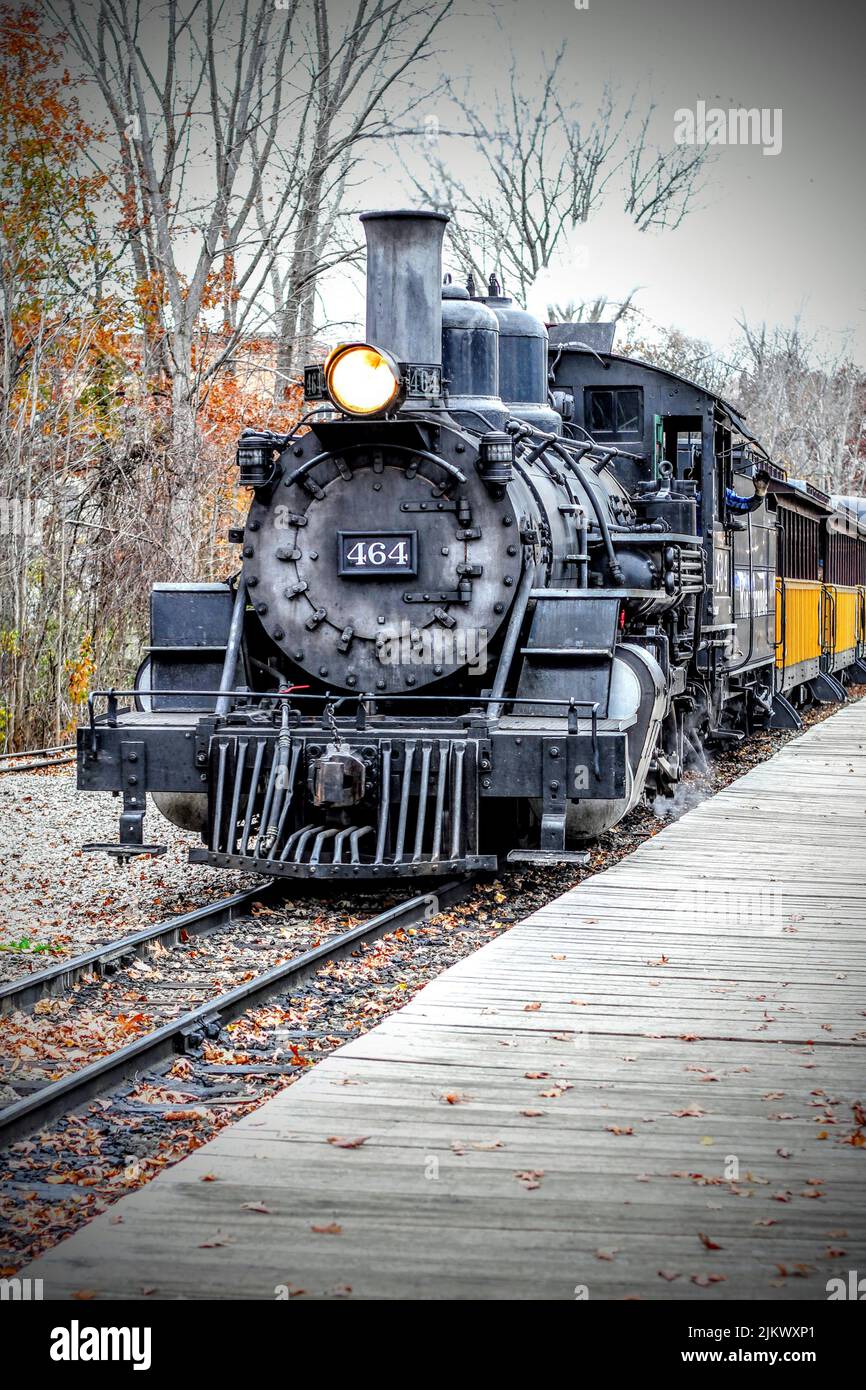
pixel 615 567
pixel 512 635
pixel 233 646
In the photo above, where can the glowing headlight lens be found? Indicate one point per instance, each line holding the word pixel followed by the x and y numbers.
pixel 362 380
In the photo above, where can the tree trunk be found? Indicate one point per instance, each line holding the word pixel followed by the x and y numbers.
pixel 184 457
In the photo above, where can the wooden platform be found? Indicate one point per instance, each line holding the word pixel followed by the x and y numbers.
pixel 670 1056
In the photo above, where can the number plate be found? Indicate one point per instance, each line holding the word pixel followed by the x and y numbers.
pixel 370 553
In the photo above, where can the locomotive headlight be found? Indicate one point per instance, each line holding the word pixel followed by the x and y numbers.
pixel 363 380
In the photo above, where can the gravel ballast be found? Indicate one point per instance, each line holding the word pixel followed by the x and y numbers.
pixel 56 901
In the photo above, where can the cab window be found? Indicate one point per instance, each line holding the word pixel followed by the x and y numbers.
pixel 614 412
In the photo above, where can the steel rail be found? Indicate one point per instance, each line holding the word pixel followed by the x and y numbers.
pixel 27 991
pixel 189 1030
pixel 39 752
pixel 37 767
pixel 12 761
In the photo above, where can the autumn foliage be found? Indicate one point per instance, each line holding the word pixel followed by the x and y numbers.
pixel 88 473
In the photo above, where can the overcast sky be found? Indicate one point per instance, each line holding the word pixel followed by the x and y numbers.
pixel 769 237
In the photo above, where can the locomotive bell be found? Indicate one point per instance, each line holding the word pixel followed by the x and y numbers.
pixel 337 778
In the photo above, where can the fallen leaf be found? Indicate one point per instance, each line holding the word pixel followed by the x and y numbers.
pixel 530 1177
pixel 258 1207
pixel 330 1230
pixel 531 1008
pixel 339 1143
pixel 707 1243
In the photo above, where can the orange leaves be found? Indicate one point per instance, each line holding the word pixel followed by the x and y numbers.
pixel 556 1089
pixel 150 295
pixel 79 671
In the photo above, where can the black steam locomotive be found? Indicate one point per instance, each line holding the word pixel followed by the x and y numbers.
pixel 498 584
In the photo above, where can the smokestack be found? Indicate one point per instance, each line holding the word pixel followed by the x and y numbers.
pixel 404 284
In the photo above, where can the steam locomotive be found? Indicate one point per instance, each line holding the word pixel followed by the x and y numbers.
pixel 498 585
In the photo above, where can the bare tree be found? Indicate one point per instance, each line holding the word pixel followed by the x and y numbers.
pixel 230 157
pixel 694 358
pixel 601 309
pixel 807 405
pixel 544 171
pixel 359 90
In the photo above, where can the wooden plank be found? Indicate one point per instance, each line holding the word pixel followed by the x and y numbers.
pixel 694 1067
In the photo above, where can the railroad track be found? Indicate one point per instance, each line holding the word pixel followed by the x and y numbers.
pixel 103 960
pixel 185 1032
pixel 39 758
